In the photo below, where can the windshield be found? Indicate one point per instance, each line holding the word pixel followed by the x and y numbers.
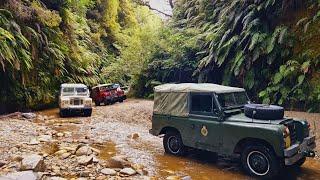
pixel 232 100
pixel 71 91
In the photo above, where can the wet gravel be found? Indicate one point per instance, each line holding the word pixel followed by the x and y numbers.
pixel 111 129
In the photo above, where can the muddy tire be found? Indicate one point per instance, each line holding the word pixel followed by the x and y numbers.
pixel 63 114
pixel 260 161
pixel 173 144
pixel 87 113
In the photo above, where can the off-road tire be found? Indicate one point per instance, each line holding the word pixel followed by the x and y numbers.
pixel 264 112
pixel 62 114
pixel 97 103
pixel 87 113
pixel 264 155
pixel 121 101
pixel 172 143
pixel 106 102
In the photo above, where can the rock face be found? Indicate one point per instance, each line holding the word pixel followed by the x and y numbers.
pixel 23 175
pixel 108 171
pixel 128 171
pixel 33 162
pixel 84 150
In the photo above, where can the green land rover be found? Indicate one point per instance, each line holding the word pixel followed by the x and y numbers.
pixel 221 119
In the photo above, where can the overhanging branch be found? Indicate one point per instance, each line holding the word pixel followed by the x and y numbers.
pixel 143 3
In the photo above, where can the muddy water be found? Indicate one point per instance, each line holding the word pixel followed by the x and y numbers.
pixel 109 127
pixel 107 150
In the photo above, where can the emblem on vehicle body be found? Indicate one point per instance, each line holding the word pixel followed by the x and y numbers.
pixel 204 131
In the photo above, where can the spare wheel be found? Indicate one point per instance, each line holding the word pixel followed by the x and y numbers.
pixel 264 111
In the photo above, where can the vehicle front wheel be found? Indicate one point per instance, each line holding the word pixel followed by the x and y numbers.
pixel 62 113
pixel 172 143
pixel 97 103
pixel 260 161
pixel 87 113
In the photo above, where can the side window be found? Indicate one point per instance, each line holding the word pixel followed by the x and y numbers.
pixel 201 104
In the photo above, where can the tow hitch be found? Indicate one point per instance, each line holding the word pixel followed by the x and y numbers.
pixel 309 153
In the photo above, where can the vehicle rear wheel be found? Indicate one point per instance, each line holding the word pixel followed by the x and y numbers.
pixel 173 144
pixel 87 113
pixel 260 161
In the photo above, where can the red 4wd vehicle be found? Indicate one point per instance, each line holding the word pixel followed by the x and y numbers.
pixel 107 94
pixel 121 96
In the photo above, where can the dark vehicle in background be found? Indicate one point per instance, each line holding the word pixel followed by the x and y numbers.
pixel 220 119
pixel 107 94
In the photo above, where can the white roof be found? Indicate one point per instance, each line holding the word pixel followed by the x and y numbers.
pixel 194 87
pixel 73 85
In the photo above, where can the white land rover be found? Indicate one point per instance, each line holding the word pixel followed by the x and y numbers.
pixel 74 98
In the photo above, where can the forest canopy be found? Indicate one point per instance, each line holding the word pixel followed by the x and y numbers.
pixel 269 47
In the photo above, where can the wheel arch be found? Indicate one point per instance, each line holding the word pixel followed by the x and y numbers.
pixel 249 140
pixel 168 128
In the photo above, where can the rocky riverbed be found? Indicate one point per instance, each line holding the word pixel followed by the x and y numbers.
pixel 112 144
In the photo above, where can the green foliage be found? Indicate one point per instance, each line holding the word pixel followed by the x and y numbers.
pixel 260 45
pixel 48 42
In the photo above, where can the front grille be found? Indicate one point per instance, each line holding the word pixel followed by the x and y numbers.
pixel 293 133
pixel 76 102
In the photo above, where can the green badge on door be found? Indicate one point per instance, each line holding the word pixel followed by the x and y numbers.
pixel 204 131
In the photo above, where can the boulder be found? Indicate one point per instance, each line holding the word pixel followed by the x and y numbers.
pixel 134 136
pixel 117 162
pixel 23 175
pixel 45 138
pixel 60 134
pixel 65 155
pixel 173 178
pixel 186 178
pixel 2 163
pixel 33 141
pixel 33 162
pixel 60 152
pixel 29 115
pixel 84 150
pixel 85 160
pixel 108 171
pixel 128 171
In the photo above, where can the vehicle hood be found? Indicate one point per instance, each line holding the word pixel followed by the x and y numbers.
pixel 241 117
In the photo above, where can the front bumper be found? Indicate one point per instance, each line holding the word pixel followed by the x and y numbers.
pixel 76 109
pixel 298 151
